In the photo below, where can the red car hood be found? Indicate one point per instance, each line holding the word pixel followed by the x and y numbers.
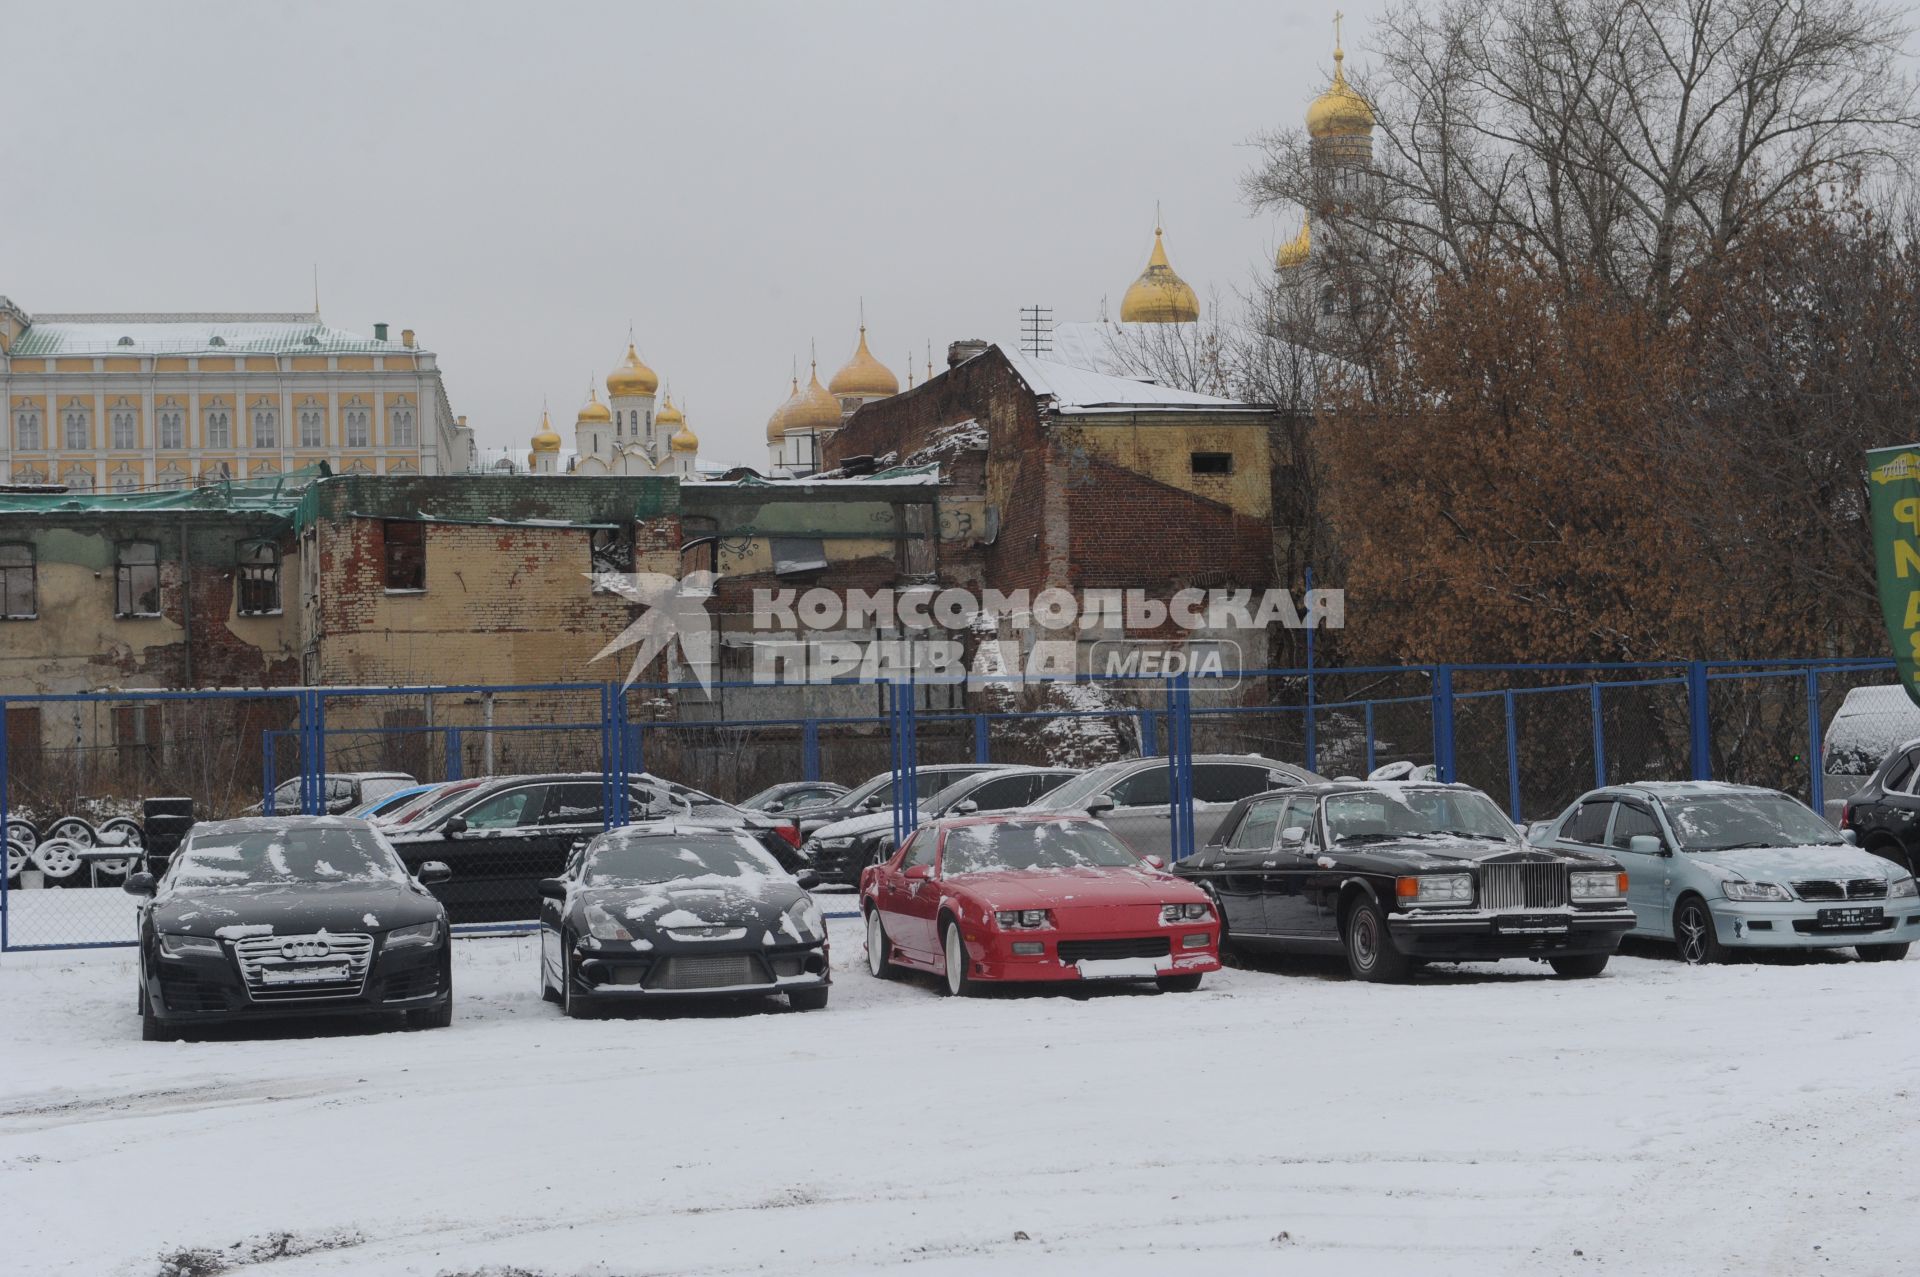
pixel 1075 888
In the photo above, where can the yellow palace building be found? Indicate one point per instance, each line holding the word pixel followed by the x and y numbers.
pixel 129 401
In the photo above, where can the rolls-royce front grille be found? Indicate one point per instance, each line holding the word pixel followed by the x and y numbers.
pixel 1100 950
pixel 1830 889
pixel 706 971
pixel 1537 885
pixel 309 968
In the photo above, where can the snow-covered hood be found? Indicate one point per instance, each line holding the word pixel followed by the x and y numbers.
pixel 1070 888
pixel 1788 864
pixel 758 901
pixel 1427 853
pixel 336 907
pixel 853 826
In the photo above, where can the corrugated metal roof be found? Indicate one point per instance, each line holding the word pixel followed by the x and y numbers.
pixel 1081 390
pixel 194 334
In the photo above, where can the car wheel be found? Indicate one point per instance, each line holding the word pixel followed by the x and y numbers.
pixel 879 964
pixel 152 1027
pixel 1178 983
pixel 808 999
pixel 1371 954
pixel 955 982
pixel 1693 933
pixel 437 1017
pixel 1881 952
pixel 1579 966
pixel 24 832
pixel 573 1005
pixel 547 992
pixel 57 858
pixel 18 854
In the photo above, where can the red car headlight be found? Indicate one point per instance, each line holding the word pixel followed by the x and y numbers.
pixel 1023 919
pixel 1173 915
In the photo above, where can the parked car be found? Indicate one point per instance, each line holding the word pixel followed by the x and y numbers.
pixel 877 793
pixel 373 808
pixel 1133 797
pixel 671 910
pixel 344 791
pixel 1024 896
pixel 1716 868
pixel 503 836
pixel 840 851
pixel 274 916
pixel 794 796
pixel 1393 874
pixel 436 800
pixel 1866 731
pixel 1883 815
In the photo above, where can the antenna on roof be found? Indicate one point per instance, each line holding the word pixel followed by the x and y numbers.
pixel 929 359
pixel 1036 329
pixel 316 290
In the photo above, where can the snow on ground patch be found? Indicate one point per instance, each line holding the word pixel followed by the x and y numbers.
pixel 1281 1120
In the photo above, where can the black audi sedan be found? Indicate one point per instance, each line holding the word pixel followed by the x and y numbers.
pixel 277 916
pixel 661 911
pixel 1394 875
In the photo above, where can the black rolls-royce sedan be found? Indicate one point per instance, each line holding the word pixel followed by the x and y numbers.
pixel 274 916
pixel 1397 874
pixel 661 911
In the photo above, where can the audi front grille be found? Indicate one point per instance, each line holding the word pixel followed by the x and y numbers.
pixel 312 968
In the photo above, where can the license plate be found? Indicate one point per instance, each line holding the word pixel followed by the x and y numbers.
pixel 302 975
pixel 1842 919
pixel 1523 925
pixel 1118 968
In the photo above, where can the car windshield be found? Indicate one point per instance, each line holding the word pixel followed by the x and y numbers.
pixel 880 786
pixel 1391 813
pixel 1015 845
pixel 292 856
pixel 1728 821
pixel 433 803
pixel 644 861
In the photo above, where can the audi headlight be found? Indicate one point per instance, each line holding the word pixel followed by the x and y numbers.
pixel 1900 887
pixel 1435 889
pixel 1176 914
pixel 1754 891
pixel 602 925
pixel 176 946
pixel 806 916
pixel 1599 886
pixel 425 934
pixel 834 844
pixel 1022 919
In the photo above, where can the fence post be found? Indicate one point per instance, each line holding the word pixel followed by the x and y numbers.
pixel 1369 713
pixel 1599 738
pixel 810 749
pixel 1180 765
pixel 455 764
pixel 635 751
pixel 1697 720
pixel 1443 723
pixel 1513 759
pixel 266 765
pixel 982 745
pixel 1149 735
pixel 1816 765
pixel 313 753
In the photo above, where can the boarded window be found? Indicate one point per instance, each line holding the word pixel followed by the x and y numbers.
pixel 259 571
pixel 406 555
pixel 18 596
pixel 23 739
pixel 1212 462
pixel 136 587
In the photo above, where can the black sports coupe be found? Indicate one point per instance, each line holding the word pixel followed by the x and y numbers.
pixel 275 916
pixel 1394 874
pixel 661 911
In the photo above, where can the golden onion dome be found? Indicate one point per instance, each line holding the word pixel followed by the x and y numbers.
pixel 1159 296
pixel 1339 112
pixel 816 409
pixel 863 374
pixel 684 440
pixel 593 409
pixel 1294 252
pixel 632 377
pixel 547 439
pixel 777 423
pixel 669 415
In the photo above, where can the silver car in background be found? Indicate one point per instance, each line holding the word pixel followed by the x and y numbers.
pixel 1133 797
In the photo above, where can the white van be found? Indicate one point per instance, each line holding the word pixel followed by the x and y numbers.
pixel 1871 721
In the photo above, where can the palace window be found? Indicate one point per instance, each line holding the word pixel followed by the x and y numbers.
pixel 123 430
pixel 402 433
pixel 266 428
pixel 173 429
pixel 136 579
pixel 406 555
pixel 26 431
pixel 311 426
pixel 77 435
pixel 19 597
pixel 219 428
pixel 356 427
pixel 259 571
pixel 1211 462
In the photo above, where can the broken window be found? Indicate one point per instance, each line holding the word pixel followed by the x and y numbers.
pixel 795 555
pixel 18 601
pixel 1212 462
pixel 259 573
pixel 406 555
pixel 611 551
pixel 136 584
pixel 699 543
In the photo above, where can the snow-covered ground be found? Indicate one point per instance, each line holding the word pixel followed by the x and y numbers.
pixel 1748 1119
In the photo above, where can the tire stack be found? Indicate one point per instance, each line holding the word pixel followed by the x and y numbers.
pixel 62 852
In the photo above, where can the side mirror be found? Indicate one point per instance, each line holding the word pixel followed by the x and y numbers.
pixel 1100 804
pixel 1849 837
pixel 1646 845
pixel 873 803
pixel 1293 836
pixel 139 884
pixel 807 879
pixel 1154 862
pixel 919 873
pixel 433 871
pixel 455 826
pixel 552 889
pixel 965 807
pixel 776 805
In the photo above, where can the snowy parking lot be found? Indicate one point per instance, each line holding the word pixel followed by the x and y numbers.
pixel 1750 1119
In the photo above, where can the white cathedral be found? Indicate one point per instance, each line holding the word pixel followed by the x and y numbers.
pixel 625 435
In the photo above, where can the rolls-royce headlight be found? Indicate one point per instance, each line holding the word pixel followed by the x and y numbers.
pixel 1435 889
pixel 806 916
pixel 602 925
pixel 177 946
pixel 1599 886
pixel 425 934
pixel 1900 887
pixel 1738 890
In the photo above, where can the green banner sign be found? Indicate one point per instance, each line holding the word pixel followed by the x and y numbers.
pixel 1893 488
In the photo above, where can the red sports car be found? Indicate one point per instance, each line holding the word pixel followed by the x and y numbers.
pixel 1034 896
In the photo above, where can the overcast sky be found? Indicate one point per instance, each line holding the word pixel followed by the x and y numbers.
pixel 520 183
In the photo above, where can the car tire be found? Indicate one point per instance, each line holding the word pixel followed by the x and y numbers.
pixel 1178 983
pixel 808 999
pixel 1579 966
pixel 1694 935
pixel 879 964
pixel 1371 953
pixel 575 1006
pixel 433 1017
pixel 152 1027
pixel 1881 952
pixel 954 979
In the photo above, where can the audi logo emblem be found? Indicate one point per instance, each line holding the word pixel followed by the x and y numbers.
pixel 293 950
